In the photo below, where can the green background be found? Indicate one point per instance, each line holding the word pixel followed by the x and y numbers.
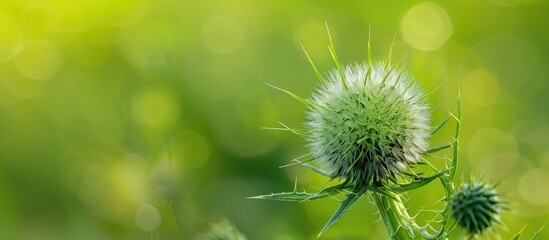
pixel 122 117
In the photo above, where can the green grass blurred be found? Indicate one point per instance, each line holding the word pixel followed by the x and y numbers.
pixel 140 119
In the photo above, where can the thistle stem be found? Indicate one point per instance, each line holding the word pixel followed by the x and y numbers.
pixel 398 222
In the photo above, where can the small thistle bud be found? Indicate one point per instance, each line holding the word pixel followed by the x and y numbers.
pixel 476 207
pixel 367 123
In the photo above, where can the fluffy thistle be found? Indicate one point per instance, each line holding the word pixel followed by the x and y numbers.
pixel 367 123
pixel 476 207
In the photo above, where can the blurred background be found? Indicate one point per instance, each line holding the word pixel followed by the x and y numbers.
pixel 141 119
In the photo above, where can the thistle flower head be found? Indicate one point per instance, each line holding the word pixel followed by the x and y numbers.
pixel 367 123
pixel 476 207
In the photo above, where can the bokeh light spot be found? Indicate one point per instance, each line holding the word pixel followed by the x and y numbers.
pixel 192 148
pixel 511 59
pixel 426 26
pixel 128 12
pixel 128 178
pixel 147 217
pixel 39 59
pixel 32 4
pixel 155 108
pixel 148 42
pixel 9 38
pixel 222 35
pixel 77 173
pixel 544 163
pixel 480 87
pixel 492 152
pixel 66 18
pixel 252 112
pixel 532 186
pixel 19 86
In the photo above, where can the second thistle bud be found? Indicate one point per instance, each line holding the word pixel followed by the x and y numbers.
pixel 476 207
pixel 368 123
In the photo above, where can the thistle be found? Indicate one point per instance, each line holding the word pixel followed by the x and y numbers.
pixel 476 207
pixel 367 126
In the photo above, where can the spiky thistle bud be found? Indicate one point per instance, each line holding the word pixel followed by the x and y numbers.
pixel 476 207
pixel 367 123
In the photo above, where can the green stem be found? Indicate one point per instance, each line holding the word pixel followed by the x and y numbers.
pixel 398 222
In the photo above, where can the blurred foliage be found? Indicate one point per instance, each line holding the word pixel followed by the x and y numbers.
pixel 140 119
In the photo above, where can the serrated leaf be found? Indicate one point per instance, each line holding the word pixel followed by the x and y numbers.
pixel 291 196
pixel 436 149
pixel 344 206
pixel 303 196
pixel 418 183
pixel 329 191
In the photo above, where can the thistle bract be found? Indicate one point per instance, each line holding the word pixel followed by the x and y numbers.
pixel 476 207
pixel 367 123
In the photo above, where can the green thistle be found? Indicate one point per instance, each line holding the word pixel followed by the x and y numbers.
pixel 366 125
pixel 369 124
pixel 476 207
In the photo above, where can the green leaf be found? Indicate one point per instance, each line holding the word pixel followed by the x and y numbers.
pixel 436 149
pixel 440 125
pixel 295 96
pixel 295 131
pixel 382 191
pixel 388 60
pixel 418 183
pixel 344 206
pixel 336 60
pixel 369 61
pixel 312 65
pixel 455 144
pixel 369 46
pixel 291 196
pixel 536 235
pixel 391 70
pixel 296 161
pixel 303 196
pixel 329 191
pixel 317 170
pixel 519 234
